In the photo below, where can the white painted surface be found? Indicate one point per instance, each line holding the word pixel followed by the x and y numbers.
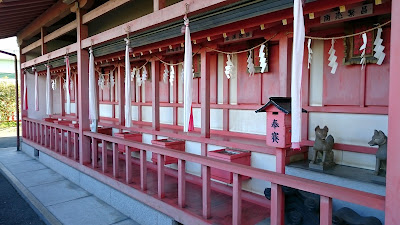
pixel 261 161
pixel 220 82
pixel 317 73
pixel 166 115
pixel 194 148
pixel 143 89
pixel 105 110
pixel 30 83
pixel 249 122
pixel 180 116
pixel 233 83
pixel 354 129
pixel 180 84
pixel 216 119
pixel 197 117
pixel 134 112
pixel 147 113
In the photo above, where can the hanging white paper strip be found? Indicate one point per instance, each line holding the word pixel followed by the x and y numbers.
pixel 67 88
pixel 25 100
pixel 138 78
pixel 93 113
pixel 297 70
pixel 165 74
pixel 49 99
pixel 54 84
pixel 263 60
pixel 332 58
pixel 144 74
pixel 102 81
pixel 36 91
pixel 172 76
pixel 250 64
pixel 309 53
pixel 187 80
pixel 363 47
pixel 128 94
pixel 229 67
pixel 379 54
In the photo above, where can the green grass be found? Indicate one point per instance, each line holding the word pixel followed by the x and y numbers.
pixel 8 124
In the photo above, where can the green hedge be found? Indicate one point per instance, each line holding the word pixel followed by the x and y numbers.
pixel 7 100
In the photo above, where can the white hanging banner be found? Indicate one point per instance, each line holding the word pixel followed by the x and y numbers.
pixel 67 88
pixel 379 54
pixel 36 91
pixel 128 94
pixel 93 113
pixel 332 57
pixel 49 99
pixel 25 100
pixel 172 76
pixel 187 81
pixel 297 70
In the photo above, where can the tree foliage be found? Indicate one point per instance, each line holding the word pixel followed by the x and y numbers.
pixel 7 100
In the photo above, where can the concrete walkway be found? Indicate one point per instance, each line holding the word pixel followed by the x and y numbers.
pixel 56 199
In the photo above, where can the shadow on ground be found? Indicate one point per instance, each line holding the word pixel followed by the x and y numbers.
pixel 6 142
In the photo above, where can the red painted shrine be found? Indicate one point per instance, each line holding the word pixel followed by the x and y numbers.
pixel 242 62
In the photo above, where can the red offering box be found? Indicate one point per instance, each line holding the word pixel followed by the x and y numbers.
pixel 74 125
pixel 229 155
pixel 168 143
pixel 63 122
pixel 51 120
pixel 128 136
pixel 104 130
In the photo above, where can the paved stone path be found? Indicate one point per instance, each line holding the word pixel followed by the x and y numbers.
pixel 59 200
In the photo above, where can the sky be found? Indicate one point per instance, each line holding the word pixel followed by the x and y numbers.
pixel 9 45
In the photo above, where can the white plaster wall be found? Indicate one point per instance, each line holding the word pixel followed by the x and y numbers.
pixel 134 112
pixel 249 122
pixel 105 110
pixel 116 111
pixel 147 114
pixel 354 129
pixel 194 148
pixel 220 82
pixel 317 73
pixel 144 92
pixel 216 119
pixel 180 116
pixel 261 161
pixel 32 113
pixel 196 117
pixel 73 105
pixel 56 100
pixel 166 115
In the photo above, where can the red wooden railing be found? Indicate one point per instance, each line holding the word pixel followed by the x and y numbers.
pixel 43 133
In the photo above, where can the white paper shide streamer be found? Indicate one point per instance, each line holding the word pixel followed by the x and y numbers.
pixel 128 94
pixel 332 58
pixel 172 75
pixel 229 67
pixel 36 90
pixel 49 99
pixel 67 86
pixel 378 49
pixel 93 113
pixel 297 70
pixel 138 78
pixel 250 64
pixel 309 53
pixel 54 84
pixel 263 60
pixel 144 75
pixel 363 47
pixel 165 74
pixel 187 80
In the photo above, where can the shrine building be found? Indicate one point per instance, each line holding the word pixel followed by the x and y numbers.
pixel 281 101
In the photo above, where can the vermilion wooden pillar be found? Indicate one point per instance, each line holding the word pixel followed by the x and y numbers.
pixel 83 91
pixel 155 98
pixel 392 204
pixel 24 113
pixel 62 98
pixel 43 44
pixel 225 101
pixel 121 95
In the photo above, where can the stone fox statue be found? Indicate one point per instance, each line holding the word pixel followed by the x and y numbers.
pixel 380 139
pixel 324 145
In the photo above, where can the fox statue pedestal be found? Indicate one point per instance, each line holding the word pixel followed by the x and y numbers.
pixel 323 157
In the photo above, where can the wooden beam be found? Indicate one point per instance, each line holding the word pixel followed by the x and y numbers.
pixel 83 91
pixel 31 46
pixel 58 11
pixel 158 4
pixel 60 31
pixel 205 93
pixel 121 95
pixel 102 9
pixel 42 43
pixel 176 11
